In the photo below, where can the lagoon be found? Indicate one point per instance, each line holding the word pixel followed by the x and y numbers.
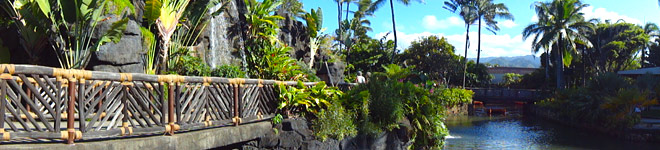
pixel 519 131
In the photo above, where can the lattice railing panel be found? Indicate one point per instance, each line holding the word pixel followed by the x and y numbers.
pixel 32 103
pixel 220 105
pixel 268 100
pixel 249 100
pixel 192 99
pixel 51 103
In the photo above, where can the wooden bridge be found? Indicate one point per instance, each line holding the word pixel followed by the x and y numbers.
pixel 507 95
pixel 68 105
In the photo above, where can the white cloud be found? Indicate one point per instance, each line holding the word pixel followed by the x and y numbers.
pixel 601 13
pixel 507 24
pixel 534 18
pixel 430 22
pixel 388 25
pixel 491 45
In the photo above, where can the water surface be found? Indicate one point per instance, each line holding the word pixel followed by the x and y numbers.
pixel 516 131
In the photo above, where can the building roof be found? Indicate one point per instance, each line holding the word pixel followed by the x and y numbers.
pixel 653 70
pixel 503 70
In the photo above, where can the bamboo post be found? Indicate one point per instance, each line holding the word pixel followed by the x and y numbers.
pixel 162 97
pixel 236 100
pixel 3 101
pixel 28 98
pixel 170 103
pixel 81 105
pixel 71 130
pixel 124 111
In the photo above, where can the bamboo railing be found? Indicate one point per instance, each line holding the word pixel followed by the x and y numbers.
pixel 39 102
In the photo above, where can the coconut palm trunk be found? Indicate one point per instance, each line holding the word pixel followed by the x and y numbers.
pixel 467 41
pixel 394 30
pixel 478 42
pixel 559 65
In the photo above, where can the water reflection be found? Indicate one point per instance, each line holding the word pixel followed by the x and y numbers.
pixel 515 131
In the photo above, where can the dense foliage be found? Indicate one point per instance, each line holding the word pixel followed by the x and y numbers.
pixel 321 104
pixel 434 57
pixel 334 122
pixel 608 101
pixel 390 99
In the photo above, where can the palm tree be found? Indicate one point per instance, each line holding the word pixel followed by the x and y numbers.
pixel 488 11
pixel 165 14
pixel 653 31
pixel 377 5
pixel 466 9
pixel 559 25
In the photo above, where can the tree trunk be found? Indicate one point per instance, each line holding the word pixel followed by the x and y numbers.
pixel 643 55
pixel 479 42
pixel 394 30
pixel 547 70
pixel 467 40
pixel 164 54
pixel 560 65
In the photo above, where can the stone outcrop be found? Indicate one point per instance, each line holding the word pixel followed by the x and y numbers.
pixel 124 56
pixel 220 43
pixel 295 134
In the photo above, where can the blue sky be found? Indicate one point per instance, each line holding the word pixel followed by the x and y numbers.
pixel 429 18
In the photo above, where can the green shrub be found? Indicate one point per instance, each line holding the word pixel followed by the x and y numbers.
pixel 228 71
pixel 620 108
pixel 608 83
pixel 608 101
pixel 333 122
pixel 511 79
pixel 389 98
pixel 304 100
pixel 386 106
pixel 454 96
pixel 189 66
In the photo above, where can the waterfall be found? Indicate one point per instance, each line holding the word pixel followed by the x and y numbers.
pixel 219 46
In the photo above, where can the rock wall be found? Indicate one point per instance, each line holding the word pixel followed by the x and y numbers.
pixel 124 56
pixel 220 43
pixel 223 37
pixel 295 134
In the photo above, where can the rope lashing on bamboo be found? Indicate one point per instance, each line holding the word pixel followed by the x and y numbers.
pixel 208 121
pixel 126 79
pixel 260 116
pixel 72 74
pixel 237 120
pixel 97 84
pixel 207 80
pixel 237 81
pixel 5 135
pixel 30 79
pixel 172 127
pixel 65 134
pixel 10 70
pixel 261 83
pixel 171 78
pixel 124 128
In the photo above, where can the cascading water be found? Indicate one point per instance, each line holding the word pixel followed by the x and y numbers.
pixel 219 46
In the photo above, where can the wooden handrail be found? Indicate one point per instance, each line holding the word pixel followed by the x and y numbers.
pixel 113 105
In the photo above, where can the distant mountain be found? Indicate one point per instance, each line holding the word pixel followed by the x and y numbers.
pixel 528 61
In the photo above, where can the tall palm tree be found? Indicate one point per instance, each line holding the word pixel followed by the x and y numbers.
pixel 560 23
pixel 653 31
pixel 378 3
pixel 488 12
pixel 466 9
